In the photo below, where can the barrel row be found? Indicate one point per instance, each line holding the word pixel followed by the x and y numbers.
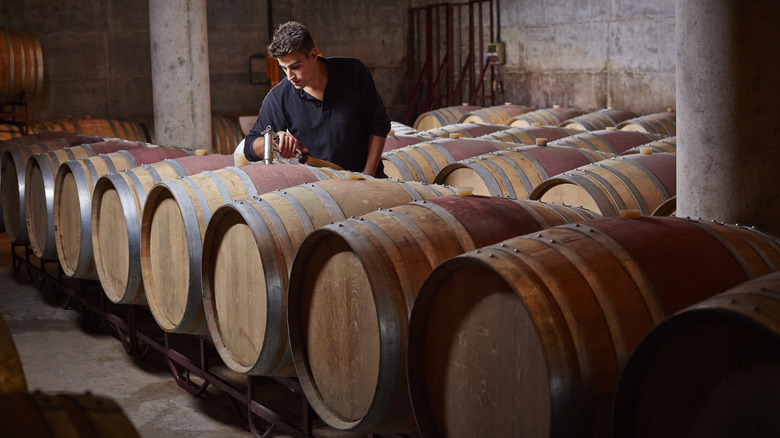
pixel 662 123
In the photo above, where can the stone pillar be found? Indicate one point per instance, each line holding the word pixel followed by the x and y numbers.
pixel 180 73
pixel 728 111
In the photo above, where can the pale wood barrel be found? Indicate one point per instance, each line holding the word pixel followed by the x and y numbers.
pixel 528 337
pixel 39 190
pixel 174 221
pixel 117 202
pixel 442 117
pixel 423 161
pixel 665 145
pixel 352 287
pixel 10 131
pixel 634 182
pixel 529 135
pixel 598 120
pixel 12 178
pixel 463 130
pixel 719 358
pixel 249 248
pixel 608 140
pixel 21 65
pixel 515 172
pixel 12 378
pixel 72 205
pixel 497 115
pixel 664 123
pixel 553 116
pixel 40 414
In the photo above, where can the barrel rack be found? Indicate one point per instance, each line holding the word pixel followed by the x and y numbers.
pixel 189 358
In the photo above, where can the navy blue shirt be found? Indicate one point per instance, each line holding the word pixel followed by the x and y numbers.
pixel 335 129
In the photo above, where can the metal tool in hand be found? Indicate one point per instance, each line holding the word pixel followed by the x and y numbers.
pixel 271 137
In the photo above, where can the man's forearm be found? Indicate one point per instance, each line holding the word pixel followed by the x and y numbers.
pixel 375 147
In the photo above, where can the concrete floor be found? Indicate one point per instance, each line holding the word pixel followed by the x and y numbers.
pixel 61 352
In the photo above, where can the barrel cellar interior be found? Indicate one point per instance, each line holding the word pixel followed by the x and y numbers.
pixel 571 229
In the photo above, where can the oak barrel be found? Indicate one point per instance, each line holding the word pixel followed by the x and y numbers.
pixel 9 131
pixel 528 135
pixel 608 140
pixel 174 221
pixel 401 129
pixel 39 177
pixel 249 249
pixel 553 116
pixel 633 182
pixel 712 369
pixel 463 130
pixel 668 145
pixel 117 202
pixel 352 287
pixel 21 65
pixel 442 117
pixel 664 124
pixel 497 115
pixel 396 141
pixel 12 178
pixel 528 337
pixel 423 161
pixel 598 120
pixel 515 172
pixel 40 414
pixel 72 205
pixel 225 134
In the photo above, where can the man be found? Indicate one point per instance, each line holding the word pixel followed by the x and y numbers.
pixel 328 107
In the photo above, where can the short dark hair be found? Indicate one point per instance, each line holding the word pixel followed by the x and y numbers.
pixel 289 38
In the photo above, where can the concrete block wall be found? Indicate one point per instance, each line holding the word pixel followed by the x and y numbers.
pixel 583 53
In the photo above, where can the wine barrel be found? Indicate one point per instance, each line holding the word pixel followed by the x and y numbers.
pixel 12 178
pixel 121 129
pixel 12 378
pixel 69 138
pixel 528 337
pixel 39 190
pixel 174 221
pixel 117 201
pixel 515 172
pixel 353 284
pixel 668 145
pixel 63 415
pixel 667 208
pixel 528 135
pixel 21 65
pixel 397 141
pixel 463 130
pixel 598 120
pixel 712 369
pixel 609 140
pixel 634 182
pixel 664 124
pixel 442 117
pixel 497 115
pixel 547 117
pixel 401 129
pixel 423 161
pixel 249 249
pixel 72 205
pixel 225 134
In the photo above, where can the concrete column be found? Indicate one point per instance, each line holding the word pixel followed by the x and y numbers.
pixel 728 111
pixel 180 73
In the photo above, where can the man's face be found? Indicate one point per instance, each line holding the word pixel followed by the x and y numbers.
pixel 299 68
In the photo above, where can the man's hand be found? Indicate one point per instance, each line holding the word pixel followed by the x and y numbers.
pixel 288 145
